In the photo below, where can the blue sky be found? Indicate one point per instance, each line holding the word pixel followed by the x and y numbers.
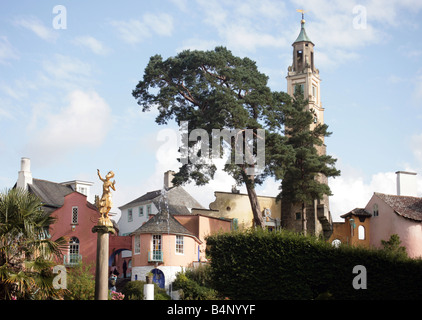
pixel 66 103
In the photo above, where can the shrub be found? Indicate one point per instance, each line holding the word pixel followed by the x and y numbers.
pixel 80 283
pixel 195 284
pixel 258 264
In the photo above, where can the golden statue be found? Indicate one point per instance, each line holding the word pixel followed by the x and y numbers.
pixel 105 203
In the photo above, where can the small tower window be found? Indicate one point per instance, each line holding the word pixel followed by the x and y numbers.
pixel 74 215
pixel 299 59
pixel 300 87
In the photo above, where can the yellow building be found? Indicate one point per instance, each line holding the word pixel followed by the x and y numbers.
pixel 236 206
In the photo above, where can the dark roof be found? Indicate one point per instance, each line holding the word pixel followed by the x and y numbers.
pixel 179 200
pixel 405 206
pixel 163 222
pixel 359 212
pixel 50 193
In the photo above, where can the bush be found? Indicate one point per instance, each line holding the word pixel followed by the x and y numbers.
pixel 258 264
pixel 80 283
pixel 195 284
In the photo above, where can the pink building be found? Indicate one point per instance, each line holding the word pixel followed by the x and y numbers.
pixel 401 215
pixel 75 215
pixel 383 216
pixel 166 244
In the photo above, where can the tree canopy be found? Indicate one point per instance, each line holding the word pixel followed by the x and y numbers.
pixel 215 90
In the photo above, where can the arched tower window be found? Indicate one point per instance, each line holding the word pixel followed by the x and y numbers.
pixel 361 233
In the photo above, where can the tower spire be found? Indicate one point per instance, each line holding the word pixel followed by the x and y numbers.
pixel 302 35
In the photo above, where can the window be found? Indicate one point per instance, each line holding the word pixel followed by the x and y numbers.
pixel 83 190
pixel 298 215
pixel 361 233
pixel 129 215
pixel 137 244
pixel 148 209
pixel 141 211
pixel 156 248
pixel 73 257
pixel 375 210
pixel 300 87
pixel 179 244
pixel 299 57
pixel 235 224
pixel 74 215
pixel 314 92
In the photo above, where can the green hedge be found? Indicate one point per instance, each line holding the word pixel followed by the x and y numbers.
pixel 283 265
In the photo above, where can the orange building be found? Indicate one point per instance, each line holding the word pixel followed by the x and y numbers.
pixel 354 230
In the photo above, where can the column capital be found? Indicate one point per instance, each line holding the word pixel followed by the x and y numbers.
pixel 103 229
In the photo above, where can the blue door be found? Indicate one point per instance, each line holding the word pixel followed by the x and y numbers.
pixel 158 277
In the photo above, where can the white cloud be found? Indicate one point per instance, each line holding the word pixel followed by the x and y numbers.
pixel 352 190
pixel 245 25
pixel 65 72
pixel 135 31
pixel 7 51
pixel 37 26
pixel 83 122
pixel 91 43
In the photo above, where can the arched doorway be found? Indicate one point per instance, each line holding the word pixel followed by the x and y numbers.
pixel 158 277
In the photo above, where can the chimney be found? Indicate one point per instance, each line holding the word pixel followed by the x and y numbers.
pixel 168 176
pixel 25 175
pixel 406 183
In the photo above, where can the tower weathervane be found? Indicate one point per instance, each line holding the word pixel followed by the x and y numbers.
pixel 302 12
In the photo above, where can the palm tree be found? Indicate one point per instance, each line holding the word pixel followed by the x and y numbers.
pixel 26 250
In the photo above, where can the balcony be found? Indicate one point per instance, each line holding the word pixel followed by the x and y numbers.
pixel 155 256
pixel 72 259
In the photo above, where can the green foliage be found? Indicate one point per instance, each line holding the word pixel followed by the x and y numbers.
pixel 195 284
pixel 300 184
pixel 80 283
pixel 134 290
pixel 26 250
pixel 217 90
pixel 393 246
pixel 258 264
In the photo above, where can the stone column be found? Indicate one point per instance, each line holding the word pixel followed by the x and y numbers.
pixel 101 268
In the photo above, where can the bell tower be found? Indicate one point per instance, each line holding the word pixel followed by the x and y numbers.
pixel 303 73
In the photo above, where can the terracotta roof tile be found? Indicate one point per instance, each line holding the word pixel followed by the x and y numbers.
pixel 405 206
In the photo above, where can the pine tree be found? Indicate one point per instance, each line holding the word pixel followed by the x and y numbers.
pixel 301 182
pixel 216 90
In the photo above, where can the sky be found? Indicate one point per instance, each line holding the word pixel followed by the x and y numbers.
pixel 68 68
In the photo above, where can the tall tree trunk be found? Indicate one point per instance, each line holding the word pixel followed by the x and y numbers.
pixel 304 219
pixel 253 199
pixel 256 208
